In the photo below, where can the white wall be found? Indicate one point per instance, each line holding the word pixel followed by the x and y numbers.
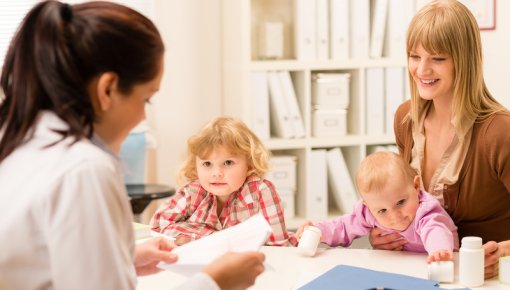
pixel 496 48
pixel 191 90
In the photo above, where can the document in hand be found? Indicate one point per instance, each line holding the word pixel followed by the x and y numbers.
pixel 249 235
pixel 355 278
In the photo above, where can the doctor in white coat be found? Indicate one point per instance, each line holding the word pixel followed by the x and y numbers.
pixel 76 80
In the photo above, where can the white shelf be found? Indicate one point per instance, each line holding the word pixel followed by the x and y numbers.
pixel 241 19
pixel 296 65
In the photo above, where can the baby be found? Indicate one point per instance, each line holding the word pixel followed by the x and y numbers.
pixel 392 200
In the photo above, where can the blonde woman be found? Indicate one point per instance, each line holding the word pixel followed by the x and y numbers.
pixel 453 132
pixel 224 171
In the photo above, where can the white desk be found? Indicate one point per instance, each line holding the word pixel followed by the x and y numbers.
pixel 292 270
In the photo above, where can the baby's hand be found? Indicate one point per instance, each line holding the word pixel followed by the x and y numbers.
pixel 302 228
pixel 441 255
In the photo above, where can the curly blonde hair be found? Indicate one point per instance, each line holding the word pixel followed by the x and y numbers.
pixel 232 135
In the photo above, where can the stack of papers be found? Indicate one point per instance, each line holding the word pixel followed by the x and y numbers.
pixel 142 231
pixel 249 235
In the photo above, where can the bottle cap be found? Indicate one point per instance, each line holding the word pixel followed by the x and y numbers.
pixel 314 229
pixel 471 242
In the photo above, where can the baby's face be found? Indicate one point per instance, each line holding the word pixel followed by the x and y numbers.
pixel 222 173
pixel 395 205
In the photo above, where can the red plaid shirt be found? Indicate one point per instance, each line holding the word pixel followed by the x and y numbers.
pixel 191 213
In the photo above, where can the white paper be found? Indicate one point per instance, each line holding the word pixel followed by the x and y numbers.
pixel 249 235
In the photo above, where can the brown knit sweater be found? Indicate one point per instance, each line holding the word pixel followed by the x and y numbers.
pixel 479 202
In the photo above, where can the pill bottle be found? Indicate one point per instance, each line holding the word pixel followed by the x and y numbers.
pixel 309 241
pixel 471 262
pixel 441 271
pixel 504 270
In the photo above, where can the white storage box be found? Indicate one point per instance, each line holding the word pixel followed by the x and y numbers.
pixel 288 202
pixel 283 172
pixel 331 89
pixel 329 122
pixel 271 40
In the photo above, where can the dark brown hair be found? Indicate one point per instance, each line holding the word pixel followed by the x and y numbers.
pixel 58 50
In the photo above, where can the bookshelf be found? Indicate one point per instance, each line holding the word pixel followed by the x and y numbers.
pixel 241 57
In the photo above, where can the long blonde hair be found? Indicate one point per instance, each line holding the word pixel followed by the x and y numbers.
pixel 448 27
pixel 232 135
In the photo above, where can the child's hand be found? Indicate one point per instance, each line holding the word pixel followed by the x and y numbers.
pixel 441 255
pixel 302 228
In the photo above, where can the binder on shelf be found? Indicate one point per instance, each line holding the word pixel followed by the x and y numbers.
pixel 339 28
pixel 305 43
pixel 377 33
pixel 360 29
pixel 340 181
pixel 322 19
pixel 394 85
pixel 260 105
pixel 374 116
pixel 292 104
pixel 315 205
pixel 400 13
pixel 280 120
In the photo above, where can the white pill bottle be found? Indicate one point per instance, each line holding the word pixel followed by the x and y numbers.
pixel 471 262
pixel 309 241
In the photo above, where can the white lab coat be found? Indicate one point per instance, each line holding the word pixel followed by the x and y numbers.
pixel 65 218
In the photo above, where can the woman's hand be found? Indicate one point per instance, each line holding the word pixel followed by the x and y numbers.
pixel 393 241
pixel 150 253
pixel 236 270
pixel 493 251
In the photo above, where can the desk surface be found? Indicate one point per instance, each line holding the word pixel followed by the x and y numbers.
pixel 292 270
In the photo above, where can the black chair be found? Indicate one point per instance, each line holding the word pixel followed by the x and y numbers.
pixel 141 195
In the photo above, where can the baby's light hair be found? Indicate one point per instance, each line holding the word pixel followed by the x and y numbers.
pixel 377 168
pixel 232 135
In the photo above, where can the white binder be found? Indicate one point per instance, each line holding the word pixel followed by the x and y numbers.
pixel 400 13
pixel 260 105
pixel 360 28
pixel 394 80
pixel 375 120
pixel 340 181
pixel 315 205
pixel 305 29
pixel 281 125
pixel 377 33
pixel 290 95
pixel 339 28
pixel 322 20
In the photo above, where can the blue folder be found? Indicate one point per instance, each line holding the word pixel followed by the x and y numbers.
pixel 355 278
